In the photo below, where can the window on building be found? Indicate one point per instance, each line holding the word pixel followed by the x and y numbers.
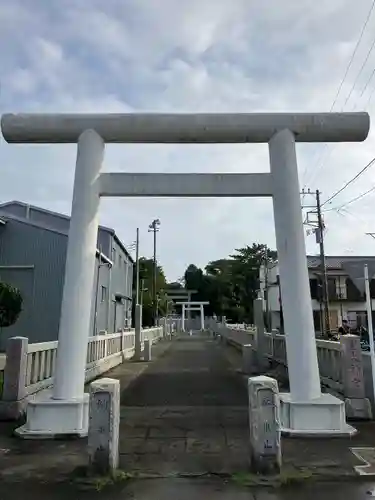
pixel 317 321
pixel 114 255
pixel 332 292
pixel 352 292
pixel 103 295
pixel 126 274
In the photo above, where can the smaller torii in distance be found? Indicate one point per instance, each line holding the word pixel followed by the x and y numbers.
pixel 181 294
pixel 192 306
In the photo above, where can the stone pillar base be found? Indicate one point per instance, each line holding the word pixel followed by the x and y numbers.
pixel 358 409
pixel 12 410
pixel 54 418
pixel 321 417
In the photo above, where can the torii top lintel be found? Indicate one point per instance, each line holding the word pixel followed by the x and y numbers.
pixel 185 128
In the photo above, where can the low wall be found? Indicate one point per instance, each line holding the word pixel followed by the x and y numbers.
pixel 329 355
pixel 29 368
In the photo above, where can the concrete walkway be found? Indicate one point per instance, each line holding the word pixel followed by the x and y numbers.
pixel 184 434
pixel 187 413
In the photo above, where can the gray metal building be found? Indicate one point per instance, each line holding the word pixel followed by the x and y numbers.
pixel 33 243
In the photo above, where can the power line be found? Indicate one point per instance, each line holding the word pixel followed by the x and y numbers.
pixel 336 193
pixel 370 97
pixel 367 83
pixel 320 161
pixel 354 53
pixel 359 73
pixel 353 200
pixel 347 213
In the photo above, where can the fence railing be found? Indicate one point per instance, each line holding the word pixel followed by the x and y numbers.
pixel 329 352
pixel 29 368
pixel 41 357
pixel 40 365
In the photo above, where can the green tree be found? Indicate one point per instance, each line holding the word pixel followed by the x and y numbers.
pixel 174 285
pixel 146 273
pixel 230 284
pixel 10 305
pixel 246 265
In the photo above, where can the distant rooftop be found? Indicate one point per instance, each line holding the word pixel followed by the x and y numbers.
pixel 55 214
pixel 336 262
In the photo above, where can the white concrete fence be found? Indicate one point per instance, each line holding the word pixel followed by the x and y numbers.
pixel 329 352
pixel 30 368
pixel 333 359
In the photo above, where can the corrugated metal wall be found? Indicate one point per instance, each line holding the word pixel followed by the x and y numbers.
pixel 24 245
pixel 121 284
pixel 43 252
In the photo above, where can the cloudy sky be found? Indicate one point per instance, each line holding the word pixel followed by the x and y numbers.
pixel 195 56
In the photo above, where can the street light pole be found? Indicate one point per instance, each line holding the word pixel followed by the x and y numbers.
pixel 154 227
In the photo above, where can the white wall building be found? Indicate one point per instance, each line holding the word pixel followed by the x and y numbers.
pixel 346 299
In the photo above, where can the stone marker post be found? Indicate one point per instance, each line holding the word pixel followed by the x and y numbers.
pixel 147 355
pixel 104 423
pixel 265 447
pixel 357 406
pixel 260 346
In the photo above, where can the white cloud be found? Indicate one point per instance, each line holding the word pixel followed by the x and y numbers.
pixel 206 55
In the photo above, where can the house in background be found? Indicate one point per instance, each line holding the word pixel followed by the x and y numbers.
pixel 33 244
pixel 346 297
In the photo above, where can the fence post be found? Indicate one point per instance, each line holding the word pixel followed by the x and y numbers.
pixel 260 344
pixel 247 359
pixel 357 406
pixel 265 447
pixel 138 332
pixel 147 350
pixel 14 390
pixel 15 369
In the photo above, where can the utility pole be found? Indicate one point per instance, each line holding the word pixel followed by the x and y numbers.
pixel 137 268
pixel 319 233
pixel 154 228
pixel 266 286
pixel 323 263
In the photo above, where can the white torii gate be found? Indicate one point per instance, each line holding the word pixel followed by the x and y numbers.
pixel 305 409
pixel 192 306
pixel 181 294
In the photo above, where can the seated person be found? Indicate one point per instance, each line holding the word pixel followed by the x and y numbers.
pixel 344 328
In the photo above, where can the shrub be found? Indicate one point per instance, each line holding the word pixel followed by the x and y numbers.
pixel 10 305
